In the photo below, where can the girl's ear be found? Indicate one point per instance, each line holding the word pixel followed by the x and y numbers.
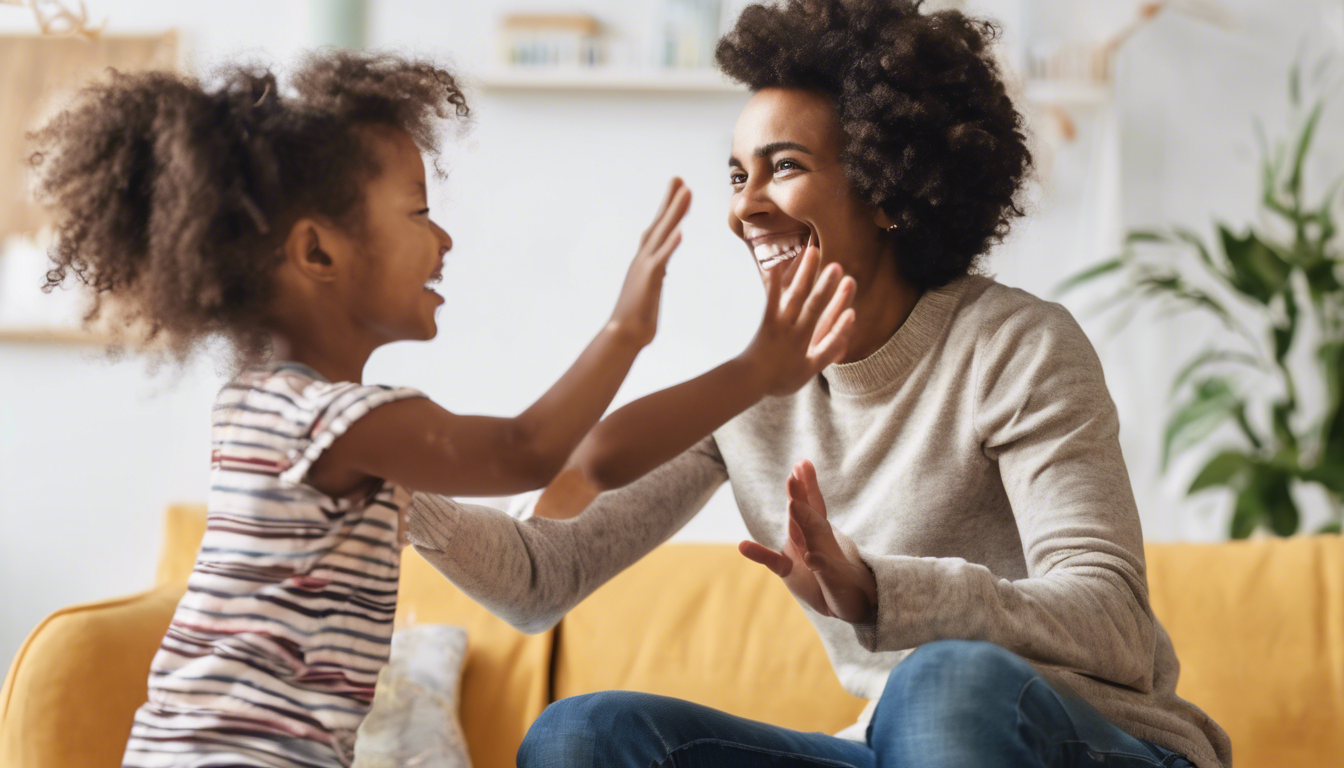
pixel 305 252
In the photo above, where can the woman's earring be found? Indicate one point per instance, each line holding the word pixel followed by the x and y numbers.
pixel 893 227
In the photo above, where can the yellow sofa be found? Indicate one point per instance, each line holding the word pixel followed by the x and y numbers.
pixel 1259 627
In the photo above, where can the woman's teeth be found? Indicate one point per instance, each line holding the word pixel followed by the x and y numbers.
pixel 769 255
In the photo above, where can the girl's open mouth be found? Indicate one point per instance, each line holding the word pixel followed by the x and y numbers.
pixel 779 250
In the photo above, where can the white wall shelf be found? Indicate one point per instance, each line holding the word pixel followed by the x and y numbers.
pixel 606 79
pixel 1062 94
pixel 1067 94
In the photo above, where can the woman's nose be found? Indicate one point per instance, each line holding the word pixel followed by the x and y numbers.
pixel 751 201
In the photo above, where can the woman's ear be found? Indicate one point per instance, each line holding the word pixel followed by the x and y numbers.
pixel 304 250
pixel 881 219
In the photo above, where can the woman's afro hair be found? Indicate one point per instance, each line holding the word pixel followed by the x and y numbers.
pixel 931 135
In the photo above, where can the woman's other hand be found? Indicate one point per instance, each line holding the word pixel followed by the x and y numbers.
pixel 636 314
pixel 807 325
pixel 825 575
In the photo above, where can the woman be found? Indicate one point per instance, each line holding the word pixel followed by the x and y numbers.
pixel 964 537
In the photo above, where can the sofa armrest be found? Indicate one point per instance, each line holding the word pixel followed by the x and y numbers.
pixel 74 686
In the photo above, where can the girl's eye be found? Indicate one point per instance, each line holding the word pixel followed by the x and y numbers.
pixel 737 178
pixel 786 165
pixel 422 212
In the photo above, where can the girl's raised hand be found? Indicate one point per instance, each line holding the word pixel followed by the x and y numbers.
pixel 636 313
pixel 807 324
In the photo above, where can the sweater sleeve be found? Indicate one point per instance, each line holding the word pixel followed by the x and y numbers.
pixel 1043 413
pixel 532 572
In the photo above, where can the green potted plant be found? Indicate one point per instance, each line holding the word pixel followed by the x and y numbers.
pixel 1278 290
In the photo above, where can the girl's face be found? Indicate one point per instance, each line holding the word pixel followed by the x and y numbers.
pixel 400 252
pixel 789 186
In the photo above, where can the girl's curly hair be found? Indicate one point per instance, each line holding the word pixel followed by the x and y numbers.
pixel 931 135
pixel 172 197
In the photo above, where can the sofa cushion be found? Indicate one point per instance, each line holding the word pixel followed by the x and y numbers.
pixel 1259 629
pixel 75 684
pixel 700 622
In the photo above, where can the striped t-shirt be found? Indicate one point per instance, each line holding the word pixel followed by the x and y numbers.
pixel 272 655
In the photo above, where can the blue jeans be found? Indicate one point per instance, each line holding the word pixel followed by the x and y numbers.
pixel 951 704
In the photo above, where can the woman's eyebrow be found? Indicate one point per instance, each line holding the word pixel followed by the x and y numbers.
pixel 766 150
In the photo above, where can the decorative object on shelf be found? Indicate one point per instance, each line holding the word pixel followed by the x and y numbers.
pixel 1274 288
pixel 553 40
pixel 58 19
pixel 341 23
pixel 36 71
pixel 689 34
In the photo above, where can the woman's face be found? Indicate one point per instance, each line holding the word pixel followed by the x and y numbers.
pixel 789 186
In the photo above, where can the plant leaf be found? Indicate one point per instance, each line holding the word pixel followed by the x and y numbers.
pixel 1329 528
pixel 1257 271
pixel 1225 469
pixel 1213 356
pixel 1213 403
pixel 1088 275
pixel 1304 140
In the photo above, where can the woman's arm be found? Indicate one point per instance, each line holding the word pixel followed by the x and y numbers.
pixel 1045 416
pixel 531 572
pixel 806 328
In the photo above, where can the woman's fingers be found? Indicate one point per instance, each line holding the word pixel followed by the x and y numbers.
pixel 774 289
pixel 780 565
pixel 807 473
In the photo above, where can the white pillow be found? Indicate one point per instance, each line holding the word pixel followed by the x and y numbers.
pixel 413 721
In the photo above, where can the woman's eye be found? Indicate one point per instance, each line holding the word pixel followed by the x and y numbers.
pixel 737 178
pixel 422 212
pixel 786 165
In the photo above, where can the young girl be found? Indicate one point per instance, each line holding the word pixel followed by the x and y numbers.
pixel 293 223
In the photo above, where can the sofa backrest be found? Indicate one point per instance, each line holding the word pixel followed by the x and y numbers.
pixel 1258 626
pixel 1259 629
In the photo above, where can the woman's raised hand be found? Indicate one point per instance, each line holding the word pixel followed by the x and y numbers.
pixel 636 313
pixel 807 324
pixel 825 575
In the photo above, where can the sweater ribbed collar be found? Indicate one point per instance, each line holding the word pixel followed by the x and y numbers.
pixel 911 341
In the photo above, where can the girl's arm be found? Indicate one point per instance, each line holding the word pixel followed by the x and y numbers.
pixel 424 447
pixel 805 329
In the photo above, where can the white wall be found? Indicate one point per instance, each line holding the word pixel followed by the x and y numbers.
pixel 545 200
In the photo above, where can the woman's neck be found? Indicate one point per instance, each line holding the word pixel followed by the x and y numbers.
pixel 883 301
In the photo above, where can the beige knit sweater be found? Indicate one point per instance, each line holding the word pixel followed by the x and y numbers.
pixel 974 461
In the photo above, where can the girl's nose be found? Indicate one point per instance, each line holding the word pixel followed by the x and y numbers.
pixel 445 240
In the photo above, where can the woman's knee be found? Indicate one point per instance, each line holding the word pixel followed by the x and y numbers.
pixel 597 729
pixel 943 682
pixel 961 667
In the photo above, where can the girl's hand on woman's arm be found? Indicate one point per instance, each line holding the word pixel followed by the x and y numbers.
pixel 819 564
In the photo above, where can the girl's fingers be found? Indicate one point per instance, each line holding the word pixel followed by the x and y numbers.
pixel 840 300
pixel 801 286
pixel 672 188
pixel 836 342
pixel 776 562
pixel 820 299
pixel 666 250
pixel 670 218
pixel 774 289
